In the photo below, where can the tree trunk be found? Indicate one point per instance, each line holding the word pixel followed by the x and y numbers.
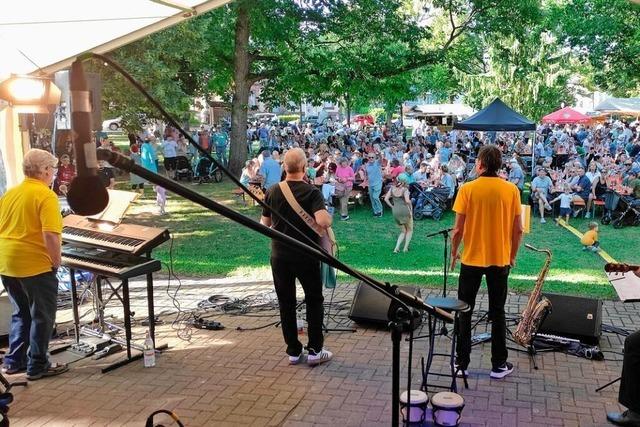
pixel 241 87
pixel 347 105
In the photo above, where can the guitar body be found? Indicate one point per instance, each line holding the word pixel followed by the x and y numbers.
pixel 621 268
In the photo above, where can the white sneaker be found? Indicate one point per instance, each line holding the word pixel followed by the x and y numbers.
pixel 294 360
pixel 322 357
pixel 587 215
pixel 502 371
pixel 543 221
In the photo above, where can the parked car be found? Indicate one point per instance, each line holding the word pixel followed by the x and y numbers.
pixel 111 124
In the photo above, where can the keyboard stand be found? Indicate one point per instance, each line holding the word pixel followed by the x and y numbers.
pixel 121 292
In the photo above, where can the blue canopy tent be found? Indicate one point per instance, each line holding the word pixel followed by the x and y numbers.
pixel 497 117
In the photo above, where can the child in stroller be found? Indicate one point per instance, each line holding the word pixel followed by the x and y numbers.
pixel 183 169
pixel 428 202
pixel 620 210
pixel 206 171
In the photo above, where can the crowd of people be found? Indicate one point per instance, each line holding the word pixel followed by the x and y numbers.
pixel 573 165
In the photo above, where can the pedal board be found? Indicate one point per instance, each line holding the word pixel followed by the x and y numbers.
pixel 88 346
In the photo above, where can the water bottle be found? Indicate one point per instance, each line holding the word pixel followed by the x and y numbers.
pixel 300 323
pixel 149 352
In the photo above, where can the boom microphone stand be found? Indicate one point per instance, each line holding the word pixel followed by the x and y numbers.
pixel 403 299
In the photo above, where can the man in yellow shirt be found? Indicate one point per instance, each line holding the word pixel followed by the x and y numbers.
pixel 30 229
pixel 489 226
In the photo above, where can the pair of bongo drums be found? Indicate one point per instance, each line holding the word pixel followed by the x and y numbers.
pixel 446 407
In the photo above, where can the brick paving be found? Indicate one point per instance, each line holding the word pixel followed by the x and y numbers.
pixel 233 377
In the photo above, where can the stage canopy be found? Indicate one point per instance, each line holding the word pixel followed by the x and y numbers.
pixel 41 37
pixel 47 35
pixel 567 115
pixel 497 116
pixel 620 106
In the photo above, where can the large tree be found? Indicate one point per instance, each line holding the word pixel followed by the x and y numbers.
pixel 606 34
pixel 167 63
pixel 344 50
pixel 530 73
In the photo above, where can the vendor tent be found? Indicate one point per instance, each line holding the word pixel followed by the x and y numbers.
pixel 498 116
pixel 629 106
pixel 567 115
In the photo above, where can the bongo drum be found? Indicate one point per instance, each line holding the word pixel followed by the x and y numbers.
pixel 417 408
pixel 447 408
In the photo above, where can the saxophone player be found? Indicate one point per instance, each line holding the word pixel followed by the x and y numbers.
pixel 488 225
pixel 629 394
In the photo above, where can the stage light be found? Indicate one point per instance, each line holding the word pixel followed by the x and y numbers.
pixel 29 94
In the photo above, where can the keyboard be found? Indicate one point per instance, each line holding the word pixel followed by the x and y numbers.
pixel 107 263
pixel 127 238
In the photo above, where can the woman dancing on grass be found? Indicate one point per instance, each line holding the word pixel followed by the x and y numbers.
pixel 401 209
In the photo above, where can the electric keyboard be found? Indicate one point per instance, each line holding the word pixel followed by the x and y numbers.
pixel 127 238
pixel 107 263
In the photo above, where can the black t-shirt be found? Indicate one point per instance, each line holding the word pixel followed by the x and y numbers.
pixel 105 175
pixel 311 200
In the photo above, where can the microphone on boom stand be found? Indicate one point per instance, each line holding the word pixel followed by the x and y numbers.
pixel 87 195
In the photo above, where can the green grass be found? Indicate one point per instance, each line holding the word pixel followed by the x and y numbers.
pixel 207 244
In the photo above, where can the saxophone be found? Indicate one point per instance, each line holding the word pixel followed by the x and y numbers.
pixel 536 308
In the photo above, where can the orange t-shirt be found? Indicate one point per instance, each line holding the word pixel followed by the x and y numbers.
pixel 490 206
pixel 589 238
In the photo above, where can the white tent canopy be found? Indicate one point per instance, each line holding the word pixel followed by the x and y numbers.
pixel 620 106
pixel 47 35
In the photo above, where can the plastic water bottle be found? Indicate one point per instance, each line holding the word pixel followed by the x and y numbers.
pixel 300 323
pixel 149 352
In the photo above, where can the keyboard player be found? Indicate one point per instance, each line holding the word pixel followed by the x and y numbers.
pixel 31 227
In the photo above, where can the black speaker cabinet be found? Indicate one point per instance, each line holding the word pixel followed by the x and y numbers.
pixel 370 306
pixel 574 317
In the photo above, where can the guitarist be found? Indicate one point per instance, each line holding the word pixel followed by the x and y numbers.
pixel 629 395
pixel 287 264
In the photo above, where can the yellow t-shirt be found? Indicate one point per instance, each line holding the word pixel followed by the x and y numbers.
pixel 489 205
pixel 25 212
pixel 589 238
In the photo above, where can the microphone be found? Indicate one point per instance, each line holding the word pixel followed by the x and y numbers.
pixel 87 195
pixel 443 231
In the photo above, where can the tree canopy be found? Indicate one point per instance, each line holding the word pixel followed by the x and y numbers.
pixel 532 53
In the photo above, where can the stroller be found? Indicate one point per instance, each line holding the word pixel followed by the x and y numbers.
pixel 183 169
pixel 621 211
pixel 430 202
pixel 206 171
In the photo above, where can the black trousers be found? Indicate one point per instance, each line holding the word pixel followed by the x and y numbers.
pixel 630 384
pixel 468 285
pixel 307 271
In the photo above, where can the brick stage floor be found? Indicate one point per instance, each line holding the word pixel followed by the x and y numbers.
pixel 233 377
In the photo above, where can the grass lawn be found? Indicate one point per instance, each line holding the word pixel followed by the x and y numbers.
pixel 206 244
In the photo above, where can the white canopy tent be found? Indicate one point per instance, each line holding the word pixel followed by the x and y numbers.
pixel 41 37
pixel 619 106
